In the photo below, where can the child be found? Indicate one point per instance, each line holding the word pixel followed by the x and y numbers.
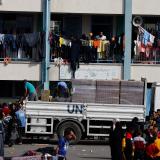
pixel 63 144
pixel 139 146
pixel 128 151
pixel 21 122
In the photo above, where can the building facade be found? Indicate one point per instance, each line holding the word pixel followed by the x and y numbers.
pixel 73 17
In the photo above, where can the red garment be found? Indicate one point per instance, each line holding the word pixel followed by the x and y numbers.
pixel 128 135
pixel 6 110
pixel 139 145
pixel 96 43
pixel 141 48
pixel 151 150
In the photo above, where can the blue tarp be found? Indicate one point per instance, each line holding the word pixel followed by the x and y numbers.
pixel 148 101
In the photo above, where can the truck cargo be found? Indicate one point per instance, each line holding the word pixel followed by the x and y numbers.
pixel 95 105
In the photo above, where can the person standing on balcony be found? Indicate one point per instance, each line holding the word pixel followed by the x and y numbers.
pixel 30 91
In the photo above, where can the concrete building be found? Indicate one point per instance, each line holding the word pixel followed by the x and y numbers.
pixel 75 17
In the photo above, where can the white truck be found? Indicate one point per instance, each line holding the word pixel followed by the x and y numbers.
pixel 85 119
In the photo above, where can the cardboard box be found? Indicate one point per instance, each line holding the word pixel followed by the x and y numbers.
pixel 45 95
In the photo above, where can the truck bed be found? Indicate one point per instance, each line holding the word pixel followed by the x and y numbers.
pixel 124 112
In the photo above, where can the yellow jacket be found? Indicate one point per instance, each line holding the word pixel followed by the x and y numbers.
pixel 157 143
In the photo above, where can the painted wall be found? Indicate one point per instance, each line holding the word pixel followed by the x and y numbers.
pixel 21 5
pixel 88 6
pixel 26 70
pixel 53 73
pixel 146 7
pixel 32 72
pixel 20 71
pixel 151 72
pixel 92 71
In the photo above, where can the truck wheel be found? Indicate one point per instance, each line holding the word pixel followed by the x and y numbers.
pixel 74 127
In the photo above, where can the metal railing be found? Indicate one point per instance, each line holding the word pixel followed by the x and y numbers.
pixel 151 57
pixel 142 58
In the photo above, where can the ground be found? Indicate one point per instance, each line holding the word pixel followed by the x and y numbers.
pixel 83 151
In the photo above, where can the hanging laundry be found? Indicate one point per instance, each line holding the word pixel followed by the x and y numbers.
pixel 32 39
pixel 2 38
pixel 61 41
pixel 96 43
pixel 1 46
pixel 10 45
pixel 145 37
pixel 152 38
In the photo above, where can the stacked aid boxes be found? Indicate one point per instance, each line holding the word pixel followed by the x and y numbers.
pixel 107 91
pixel 132 92
pixel 84 91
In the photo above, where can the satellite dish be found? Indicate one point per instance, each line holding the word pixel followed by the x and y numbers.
pixel 137 21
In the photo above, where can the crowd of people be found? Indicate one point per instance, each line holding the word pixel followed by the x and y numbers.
pixel 12 124
pixel 12 128
pixel 138 142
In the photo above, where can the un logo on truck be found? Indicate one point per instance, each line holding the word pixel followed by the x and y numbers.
pixel 75 108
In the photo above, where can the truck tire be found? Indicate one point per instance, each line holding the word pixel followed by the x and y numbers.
pixel 74 127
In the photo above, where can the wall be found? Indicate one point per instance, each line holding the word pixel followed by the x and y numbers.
pixel 92 71
pixel 88 6
pixel 26 70
pixel 21 5
pixel 20 71
pixel 53 73
pixel 32 71
pixel 151 72
pixel 146 7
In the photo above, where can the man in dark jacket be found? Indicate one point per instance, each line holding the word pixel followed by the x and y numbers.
pixel 75 54
pixel 115 140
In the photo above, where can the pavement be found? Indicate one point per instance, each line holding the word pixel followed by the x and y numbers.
pixel 83 151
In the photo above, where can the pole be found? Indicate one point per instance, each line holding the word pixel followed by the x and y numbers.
pixel 43 57
pixel 128 41
pixel 46 59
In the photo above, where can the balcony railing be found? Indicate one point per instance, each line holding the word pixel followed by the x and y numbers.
pixel 150 57
pixel 153 57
